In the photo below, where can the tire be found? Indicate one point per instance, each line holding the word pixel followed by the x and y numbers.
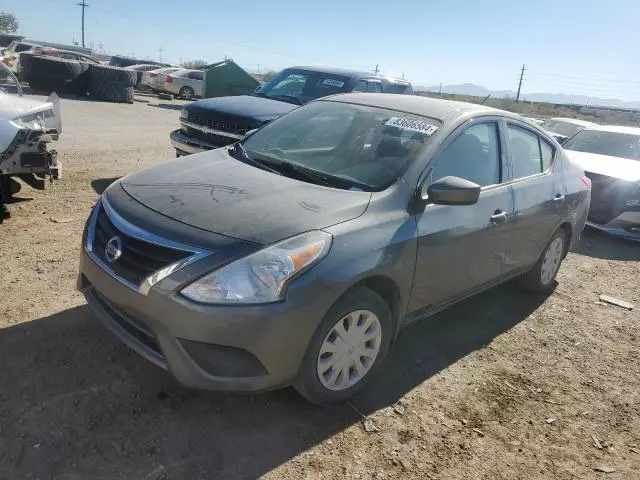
pixel 541 277
pixel 186 93
pixel 112 84
pixel 309 383
pixel 49 74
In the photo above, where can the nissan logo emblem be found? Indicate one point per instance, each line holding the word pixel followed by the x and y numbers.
pixel 113 249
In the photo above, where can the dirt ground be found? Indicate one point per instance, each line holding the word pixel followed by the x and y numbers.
pixel 503 386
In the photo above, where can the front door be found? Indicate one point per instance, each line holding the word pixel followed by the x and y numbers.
pixel 462 248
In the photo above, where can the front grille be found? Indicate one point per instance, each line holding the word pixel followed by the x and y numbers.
pixel 201 118
pixel 608 195
pixel 134 328
pixel 215 140
pixel 139 259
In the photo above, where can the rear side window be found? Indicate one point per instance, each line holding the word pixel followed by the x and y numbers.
pixel 546 151
pixel 22 47
pixel 474 156
pixel 368 87
pixel 525 152
pixel 196 75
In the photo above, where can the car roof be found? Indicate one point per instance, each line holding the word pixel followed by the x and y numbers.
pixel 418 105
pixel 334 71
pixel 616 129
pixel 185 70
pixel 575 121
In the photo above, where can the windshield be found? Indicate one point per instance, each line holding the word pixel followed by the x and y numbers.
pixel 623 145
pixel 302 86
pixel 347 146
pixel 565 129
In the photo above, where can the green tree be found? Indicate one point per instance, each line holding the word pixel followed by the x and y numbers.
pixel 195 64
pixel 8 23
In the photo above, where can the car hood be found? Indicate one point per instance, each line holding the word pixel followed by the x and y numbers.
pixel 250 109
pixel 13 106
pixel 622 168
pixel 215 192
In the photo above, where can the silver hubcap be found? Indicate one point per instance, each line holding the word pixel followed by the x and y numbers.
pixel 551 260
pixel 349 350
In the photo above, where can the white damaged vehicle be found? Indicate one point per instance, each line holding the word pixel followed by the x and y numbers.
pixel 27 126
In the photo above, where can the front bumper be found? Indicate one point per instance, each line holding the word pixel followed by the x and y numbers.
pixel 224 348
pixel 625 225
pixel 185 145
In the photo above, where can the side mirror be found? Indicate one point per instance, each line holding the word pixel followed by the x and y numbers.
pixel 451 191
pixel 257 89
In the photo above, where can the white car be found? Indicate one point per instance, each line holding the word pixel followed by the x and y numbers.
pixel 27 126
pixel 12 54
pixel 184 83
pixel 153 79
pixel 564 128
pixel 610 157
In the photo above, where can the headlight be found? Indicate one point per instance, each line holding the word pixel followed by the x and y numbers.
pixel 262 276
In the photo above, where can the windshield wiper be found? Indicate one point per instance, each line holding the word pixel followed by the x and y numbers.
pixel 308 173
pixel 238 152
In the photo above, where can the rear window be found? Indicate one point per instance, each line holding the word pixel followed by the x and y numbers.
pixel 398 88
pixel 565 129
pixel 623 145
pixel 22 47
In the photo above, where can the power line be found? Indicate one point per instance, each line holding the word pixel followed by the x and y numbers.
pixel 84 5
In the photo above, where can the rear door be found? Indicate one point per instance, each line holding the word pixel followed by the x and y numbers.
pixel 538 195
pixel 462 248
pixel 197 82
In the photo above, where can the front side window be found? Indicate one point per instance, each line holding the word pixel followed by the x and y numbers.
pixel 615 144
pixel 525 152
pixel 350 146
pixel 302 86
pixel 474 155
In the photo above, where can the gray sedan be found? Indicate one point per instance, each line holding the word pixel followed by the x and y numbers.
pixel 295 256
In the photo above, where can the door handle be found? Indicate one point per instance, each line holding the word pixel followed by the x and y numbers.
pixel 498 217
pixel 559 198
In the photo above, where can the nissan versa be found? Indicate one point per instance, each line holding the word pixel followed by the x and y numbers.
pixel 294 256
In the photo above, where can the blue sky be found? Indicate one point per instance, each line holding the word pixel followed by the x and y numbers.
pixel 574 47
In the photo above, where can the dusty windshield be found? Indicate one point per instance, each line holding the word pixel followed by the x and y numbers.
pixel 615 144
pixel 302 86
pixel 343 145
pixel 563 128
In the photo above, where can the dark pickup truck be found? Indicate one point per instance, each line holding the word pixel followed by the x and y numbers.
pixel 217 122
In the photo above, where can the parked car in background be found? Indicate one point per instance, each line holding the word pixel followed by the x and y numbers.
pixel 141 69
pixel 12 54
pixel 610 156
pixel 217 122
pixel 184 83
pixel 54 53
pixel 27 127
pixel 295 256
pixel 122 62
pixel 154 79
pixel 563 128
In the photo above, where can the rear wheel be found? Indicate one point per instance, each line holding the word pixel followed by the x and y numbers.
pixel 186 93
pixel 541 277
pixel 348 347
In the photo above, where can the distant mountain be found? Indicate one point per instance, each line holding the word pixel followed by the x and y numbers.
pixel 559 98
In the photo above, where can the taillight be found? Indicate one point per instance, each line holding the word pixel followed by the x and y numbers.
pixel 168 79
pixel 586 180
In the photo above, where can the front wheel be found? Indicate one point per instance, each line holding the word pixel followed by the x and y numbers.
pixel 349 345
pixel 186 93
pixel 541 277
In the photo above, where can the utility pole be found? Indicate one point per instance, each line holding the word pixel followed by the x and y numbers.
pixel 84 5
pixel 160 50
pixel 440 91
pixel 376 70
pixel 520 84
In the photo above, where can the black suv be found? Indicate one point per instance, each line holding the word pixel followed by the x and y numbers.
pixel 216 122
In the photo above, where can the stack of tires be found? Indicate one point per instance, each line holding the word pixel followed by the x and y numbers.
pixel 48 74
pixel 112 84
